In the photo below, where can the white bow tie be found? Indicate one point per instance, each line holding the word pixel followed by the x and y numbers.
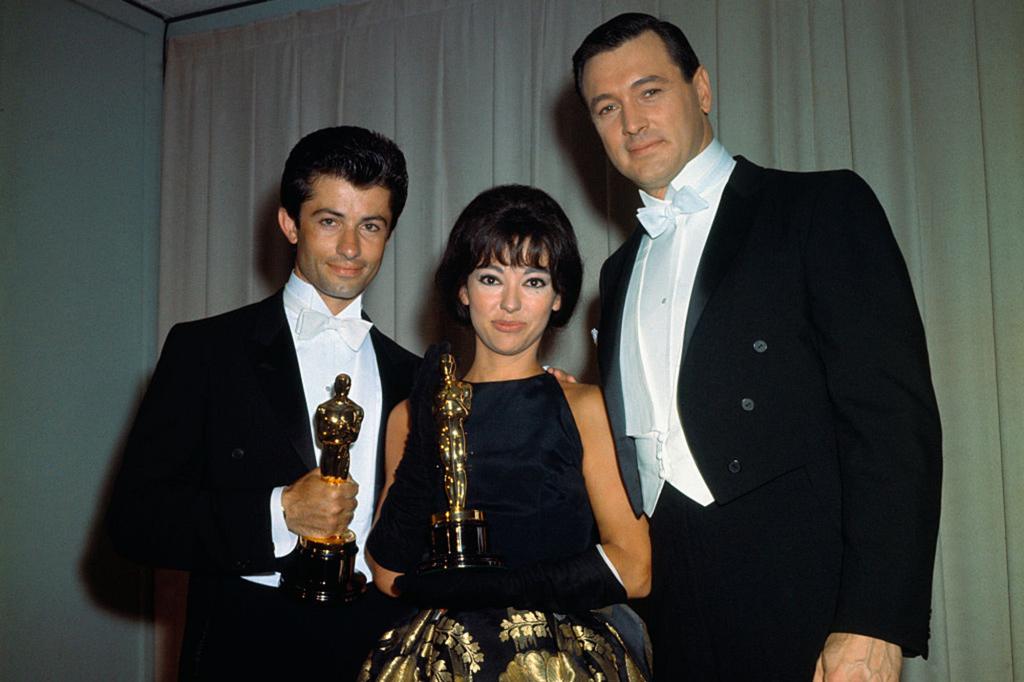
pixel 352 330
pixel 661 217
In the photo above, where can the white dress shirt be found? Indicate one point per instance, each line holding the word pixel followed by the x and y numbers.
pixel 653 321
pixel 321 359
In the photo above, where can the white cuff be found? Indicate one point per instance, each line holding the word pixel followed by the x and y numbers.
pixel 600 550
pixel 284 540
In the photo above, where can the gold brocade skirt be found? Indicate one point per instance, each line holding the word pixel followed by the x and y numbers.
pixel 512 645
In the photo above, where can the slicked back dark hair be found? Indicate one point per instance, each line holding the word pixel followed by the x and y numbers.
pixel 517 226
pixel 359 156
pixel 616 31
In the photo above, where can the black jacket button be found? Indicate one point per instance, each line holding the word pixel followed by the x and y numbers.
pixel 747 404
pixel 237 453
pixel 760 346
pixel 735 466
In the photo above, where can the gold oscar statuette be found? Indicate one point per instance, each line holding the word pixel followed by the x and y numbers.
pixel 322 569
pixel 458 535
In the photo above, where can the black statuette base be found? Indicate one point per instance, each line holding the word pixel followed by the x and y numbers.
pixel 324 573
pixel 459 540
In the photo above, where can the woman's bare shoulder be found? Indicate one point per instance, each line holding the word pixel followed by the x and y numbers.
pixel 584 399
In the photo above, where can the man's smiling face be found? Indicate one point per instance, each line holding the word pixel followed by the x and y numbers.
pixel 340 238
pixel 650 119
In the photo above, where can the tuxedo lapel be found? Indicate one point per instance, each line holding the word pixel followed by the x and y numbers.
pixel 728 232
pixel 277 372
pixel 611 315
pixel 608 342
pixel 390 390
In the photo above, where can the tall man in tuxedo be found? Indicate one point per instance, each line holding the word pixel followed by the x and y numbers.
pixel 220 473
pixel 766 375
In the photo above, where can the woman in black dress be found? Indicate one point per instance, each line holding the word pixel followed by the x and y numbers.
pixel 541 466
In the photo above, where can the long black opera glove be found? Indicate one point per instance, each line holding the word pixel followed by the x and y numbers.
pixel 401 535
pixel 579 583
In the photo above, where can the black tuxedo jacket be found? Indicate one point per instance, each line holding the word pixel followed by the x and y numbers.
pixel 804 348
pixel 222 423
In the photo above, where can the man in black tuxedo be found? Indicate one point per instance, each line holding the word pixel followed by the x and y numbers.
pixel 766 376
pixel 220 472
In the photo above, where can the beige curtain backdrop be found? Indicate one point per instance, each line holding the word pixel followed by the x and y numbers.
pixel 923 98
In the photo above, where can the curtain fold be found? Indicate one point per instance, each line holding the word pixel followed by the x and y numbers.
pixel 921 97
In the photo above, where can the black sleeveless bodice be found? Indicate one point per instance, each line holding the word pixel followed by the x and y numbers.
pixel 524 468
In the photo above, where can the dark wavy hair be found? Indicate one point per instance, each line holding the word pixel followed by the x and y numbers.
pixel 359 156
pixel 517 226
pixel 617 30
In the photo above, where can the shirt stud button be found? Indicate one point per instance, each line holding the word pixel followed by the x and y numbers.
pixel 747 404
pixel 760 346
pixel 735 466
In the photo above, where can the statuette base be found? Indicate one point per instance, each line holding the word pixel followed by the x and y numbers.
pixel 459 540
pixel 324 572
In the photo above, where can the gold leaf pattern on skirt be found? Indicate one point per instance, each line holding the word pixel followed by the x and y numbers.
pixel 542 666
pixel 523 628
pixel 521 646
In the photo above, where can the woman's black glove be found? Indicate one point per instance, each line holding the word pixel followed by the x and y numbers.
pixel 579 583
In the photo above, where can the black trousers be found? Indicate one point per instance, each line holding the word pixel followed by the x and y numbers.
pixel 237 629
pixel 744 590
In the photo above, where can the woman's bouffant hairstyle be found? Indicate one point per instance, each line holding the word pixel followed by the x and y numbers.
pixel 516 226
